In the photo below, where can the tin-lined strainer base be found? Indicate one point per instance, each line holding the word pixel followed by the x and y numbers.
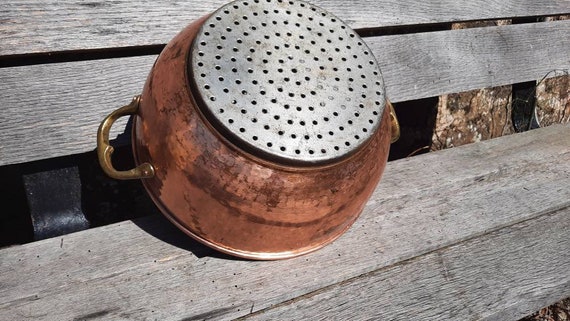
pixel 287 81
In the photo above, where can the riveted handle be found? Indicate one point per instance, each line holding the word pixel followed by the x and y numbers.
pixel 105 150
pixel 395 125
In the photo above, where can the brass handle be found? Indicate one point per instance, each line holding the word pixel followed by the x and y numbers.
pixel 395 125
pixel 105 150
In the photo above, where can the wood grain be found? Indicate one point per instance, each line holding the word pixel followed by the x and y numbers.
pixel 146 269
pixel 54 110
pixel 505 275
pixel 28 26
pixel 426 65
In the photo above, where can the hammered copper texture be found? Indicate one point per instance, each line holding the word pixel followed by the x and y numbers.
pixel 233 201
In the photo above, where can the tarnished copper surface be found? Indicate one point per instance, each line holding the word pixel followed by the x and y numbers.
pixel 233 201
pixel 245 205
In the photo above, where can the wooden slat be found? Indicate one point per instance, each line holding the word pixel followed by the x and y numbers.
pixel 147 270
pixel 505 275
pixel 43 106
pixel 425 65
pixel 54 110
pixel 42 26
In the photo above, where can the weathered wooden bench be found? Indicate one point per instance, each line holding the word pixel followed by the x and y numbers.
pixel 473 232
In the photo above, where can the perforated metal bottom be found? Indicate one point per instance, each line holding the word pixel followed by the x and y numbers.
pixel 287 81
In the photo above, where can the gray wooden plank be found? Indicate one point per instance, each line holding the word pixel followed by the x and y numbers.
pixel 505 275
pixel 425 65
pixel 43 26
pixel 54 110
pixel 146 269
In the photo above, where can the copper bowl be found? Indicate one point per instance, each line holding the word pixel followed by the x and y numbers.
pixel 216 184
